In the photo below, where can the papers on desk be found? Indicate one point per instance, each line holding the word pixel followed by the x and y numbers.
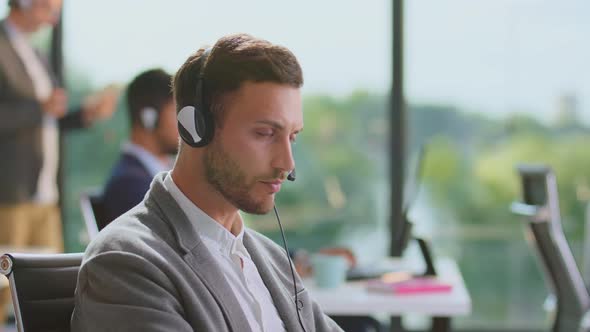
pixel 401 283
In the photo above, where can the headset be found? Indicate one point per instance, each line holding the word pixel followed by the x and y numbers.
pixel 195 122
pixel 149 117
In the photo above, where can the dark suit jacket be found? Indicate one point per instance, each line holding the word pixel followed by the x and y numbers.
pixel 126 187
pixel 20 127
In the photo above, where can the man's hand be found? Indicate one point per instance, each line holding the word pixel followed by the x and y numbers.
pixel 100 105
pixel 56 104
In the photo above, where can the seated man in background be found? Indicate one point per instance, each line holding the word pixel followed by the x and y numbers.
pixel 183 260
pixel 153 139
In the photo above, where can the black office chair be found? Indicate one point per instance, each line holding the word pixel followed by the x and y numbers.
pixel 42 288
pixel 92 206
pixel 545 234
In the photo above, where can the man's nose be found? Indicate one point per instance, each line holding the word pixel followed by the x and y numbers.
pixel 283 159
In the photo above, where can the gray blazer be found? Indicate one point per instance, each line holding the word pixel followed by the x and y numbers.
pixel 150 271
pixel 20 126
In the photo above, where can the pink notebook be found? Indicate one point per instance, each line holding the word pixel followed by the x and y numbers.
pixel 421 285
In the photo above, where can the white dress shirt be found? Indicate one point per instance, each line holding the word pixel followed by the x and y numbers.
pixel 47 183
pixel 235 262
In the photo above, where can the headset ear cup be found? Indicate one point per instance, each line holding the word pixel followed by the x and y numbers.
pixel 194 127
pixel 149 118
pixel 187 127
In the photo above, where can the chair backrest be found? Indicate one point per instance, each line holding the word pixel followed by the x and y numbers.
pixel 42 288
pixel 541 206
pixel 92 206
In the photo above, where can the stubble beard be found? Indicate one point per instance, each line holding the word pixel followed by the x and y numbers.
pixel 226 176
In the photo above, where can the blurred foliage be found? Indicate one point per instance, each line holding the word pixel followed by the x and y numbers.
pixel 342 165
pixel 476 178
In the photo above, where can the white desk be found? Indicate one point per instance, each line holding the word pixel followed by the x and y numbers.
pixel 353 299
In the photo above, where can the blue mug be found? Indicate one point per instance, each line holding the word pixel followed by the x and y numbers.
pixel 329 271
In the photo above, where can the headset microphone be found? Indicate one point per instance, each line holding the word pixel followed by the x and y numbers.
pixel 298 303
pixel 292 175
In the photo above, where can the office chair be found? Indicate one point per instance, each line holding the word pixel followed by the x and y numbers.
pixel 91 204
pixel 42 288
pixel 545 234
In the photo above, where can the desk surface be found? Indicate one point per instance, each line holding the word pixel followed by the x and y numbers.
pixel 352 298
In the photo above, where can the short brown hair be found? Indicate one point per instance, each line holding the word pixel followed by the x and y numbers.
pixel 150 88
pixel 233 60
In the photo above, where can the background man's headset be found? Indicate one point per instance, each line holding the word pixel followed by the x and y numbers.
pixel 196 127
pixel 149 117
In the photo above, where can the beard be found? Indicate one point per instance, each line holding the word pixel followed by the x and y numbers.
pixel 229 179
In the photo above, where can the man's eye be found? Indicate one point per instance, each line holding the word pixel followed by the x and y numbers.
pixel 264 133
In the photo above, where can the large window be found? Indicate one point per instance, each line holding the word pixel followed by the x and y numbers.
pixel 490 84
pixel 342 185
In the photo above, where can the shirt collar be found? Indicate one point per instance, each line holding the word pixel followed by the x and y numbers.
pixel 210 230
pixel 13 31
pixel 146 158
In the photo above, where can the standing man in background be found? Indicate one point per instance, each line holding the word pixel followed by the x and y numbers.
pixel 33 109
pixel 152 142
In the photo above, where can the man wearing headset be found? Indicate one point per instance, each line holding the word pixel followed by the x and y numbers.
pixel 182 260
pixel 32 112
pixel 153 139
